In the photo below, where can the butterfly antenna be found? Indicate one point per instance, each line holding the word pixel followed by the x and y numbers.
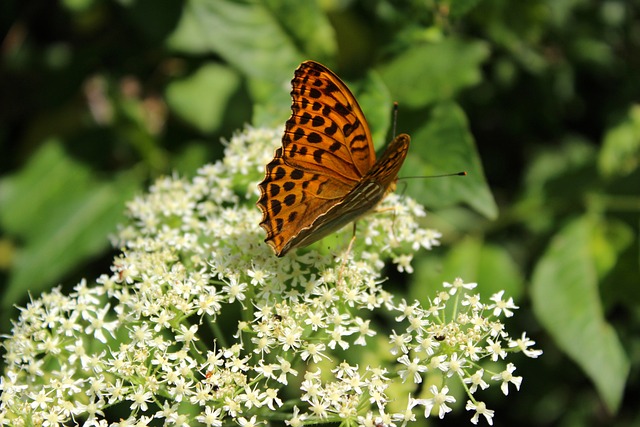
pixel 395 118
pixel 462 173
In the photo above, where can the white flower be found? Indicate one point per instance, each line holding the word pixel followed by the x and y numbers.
pixel 235 290
pixel 438 362
pixel 140 398
pixel 271 399
pixel 363 328
pixel 455 365
pixel 481 409
pixel 315 351
pixel 258 276
pixel 97 323
pixel 523 343
pixel 458 284
pixel 399 342
pixel 404 263
pixel 503 306
pixel 210 417
pixel 476 380
pixel 414 368
pixel 187 335
pixel 494 348
pixel 438 401
pixel 40 399
pixel 296 419
pixel 506 378
pixel 252 422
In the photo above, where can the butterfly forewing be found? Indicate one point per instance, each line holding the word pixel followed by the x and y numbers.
pixel 327 130
pixel 324 175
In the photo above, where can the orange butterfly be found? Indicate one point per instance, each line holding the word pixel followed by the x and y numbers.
pixel 325 175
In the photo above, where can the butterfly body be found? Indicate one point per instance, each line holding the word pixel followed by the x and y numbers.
pixel 325 175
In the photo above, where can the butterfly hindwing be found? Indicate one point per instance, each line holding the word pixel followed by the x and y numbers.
pixel 292 199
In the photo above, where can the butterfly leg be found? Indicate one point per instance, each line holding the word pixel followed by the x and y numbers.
pixel 345 258
pixel 394 213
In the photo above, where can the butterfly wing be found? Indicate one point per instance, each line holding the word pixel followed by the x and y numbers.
pixel 327 131
pixel 291 199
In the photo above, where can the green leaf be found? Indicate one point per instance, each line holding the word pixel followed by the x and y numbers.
pixel 550 182
pixel 33 195
pixel 247 36
pixel 375 101
pixel 462 7
pixel 473 260
pixel 445 145
pixel 61 214
pixel 201 99
pixel 430 73
pixel 620 153
pixel 191 157
pixel 566 301
pixel 307 23
pixel 152 19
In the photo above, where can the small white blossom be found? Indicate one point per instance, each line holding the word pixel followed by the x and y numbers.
pixel 503 306
pixel 481 409
pixel 187 335
pixel 506 377
pixel 523 343
pixel 210 417
pixel 476 380
pixel 404 263
pixel 414 369
pixel 140 398
pixel 399 343
pixel 97 325
pixel 455 365
pixel 458 284
pixel 494 348
pixel 438 401
pixel 313 351
pixel 296 419
pixel 251 422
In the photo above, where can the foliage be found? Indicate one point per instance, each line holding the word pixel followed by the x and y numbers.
pixel 101 96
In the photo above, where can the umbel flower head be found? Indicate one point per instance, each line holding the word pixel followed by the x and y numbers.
pixel 200 324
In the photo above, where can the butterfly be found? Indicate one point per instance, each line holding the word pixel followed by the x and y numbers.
pixel 325 175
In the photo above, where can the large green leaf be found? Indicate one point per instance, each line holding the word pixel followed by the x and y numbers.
pixel 375 101
pixel 566 301
pixel 620 153
pixel 461 7
pixel 202 98
pixel 473 260
pixel 550 182
pixel 308 25
pixel 445 145
pixel 430 73
pixel 247 36
pixel 60 214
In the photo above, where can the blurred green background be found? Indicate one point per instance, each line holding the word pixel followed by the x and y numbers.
pixel 539 100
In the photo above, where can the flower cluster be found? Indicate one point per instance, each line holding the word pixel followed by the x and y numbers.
pixel 198 322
